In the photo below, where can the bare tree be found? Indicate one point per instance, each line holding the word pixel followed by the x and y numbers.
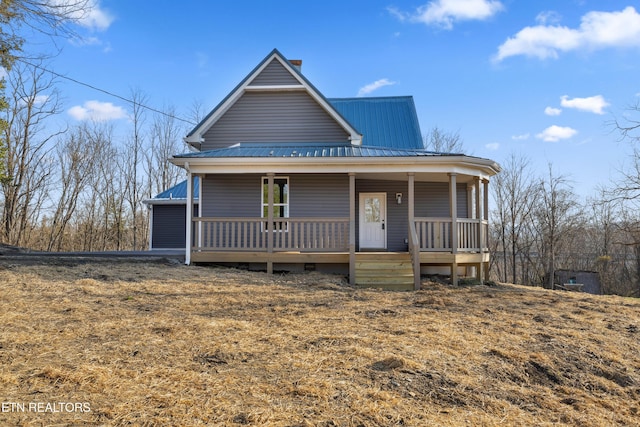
pixel 92 218
pixel 132 159
pixel 164 142
pixel 443 142
pixel 75 163
pixel 629 128
pixel 514 192
pixel 33 101
pixel 555 213
pixel 197 112
pixel 47 17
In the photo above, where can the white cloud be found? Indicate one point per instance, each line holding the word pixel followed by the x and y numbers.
pixel 365 90
pixel 522 137
pixel 548 17
pixel 492 146
pixel 444 13
pixel 556 133
pixel 41 99
pixel 92 16
pixel 550 111
pixel 592 104
pixel 598 30
pixel 401 16
pixel 97 111
pixel 97 19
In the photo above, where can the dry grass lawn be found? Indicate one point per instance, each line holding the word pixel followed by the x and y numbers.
pixel 151 344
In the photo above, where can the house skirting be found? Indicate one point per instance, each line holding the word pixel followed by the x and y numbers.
pixel 456 264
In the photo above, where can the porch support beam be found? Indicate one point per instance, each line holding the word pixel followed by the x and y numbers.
pixel 189 214
pixel 479 212
pixel 150 209
pixel 485 242
pixel 485 183
pixel 453 203
pixel 411 192
pixel 352 228
pixel 270 231
pixel 470 187
pixel 200 205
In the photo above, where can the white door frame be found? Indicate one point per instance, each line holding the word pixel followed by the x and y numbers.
pixel 381 243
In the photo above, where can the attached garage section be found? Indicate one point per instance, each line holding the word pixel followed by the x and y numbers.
pixel 168 226
pixel 168 216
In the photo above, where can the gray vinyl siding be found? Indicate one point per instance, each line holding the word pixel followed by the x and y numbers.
pixel 231 196
pixel 309 195
pixel 169 222
pixel 274 74
pixel 431 200
pixel 274 117
pixel 319 196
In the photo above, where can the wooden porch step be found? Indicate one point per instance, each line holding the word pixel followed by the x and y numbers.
pixel 391 271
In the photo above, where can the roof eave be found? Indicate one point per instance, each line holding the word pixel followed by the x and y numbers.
pixel 439 164
pixel 164 201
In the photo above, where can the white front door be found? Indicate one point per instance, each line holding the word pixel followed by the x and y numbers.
pixel 373 216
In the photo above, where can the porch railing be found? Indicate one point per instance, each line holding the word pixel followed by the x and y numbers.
pixel 434 234
pixel 327 234
pixel 287 234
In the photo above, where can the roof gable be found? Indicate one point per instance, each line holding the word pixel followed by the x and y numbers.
pixel 274 74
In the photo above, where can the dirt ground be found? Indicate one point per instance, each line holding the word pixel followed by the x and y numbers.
pixel 158 344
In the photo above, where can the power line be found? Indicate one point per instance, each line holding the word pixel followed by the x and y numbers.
pixel 62 76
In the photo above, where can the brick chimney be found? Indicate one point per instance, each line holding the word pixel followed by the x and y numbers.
pixel 296 63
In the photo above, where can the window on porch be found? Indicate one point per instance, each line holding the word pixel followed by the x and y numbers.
pixel 280 201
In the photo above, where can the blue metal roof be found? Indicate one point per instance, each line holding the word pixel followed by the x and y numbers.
pixel 179 191
pixel 301 149
pixel 383 121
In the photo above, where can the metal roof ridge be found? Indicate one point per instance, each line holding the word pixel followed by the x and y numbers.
pixel 370 98
pixel 296 144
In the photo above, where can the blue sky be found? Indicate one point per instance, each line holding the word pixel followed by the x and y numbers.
pixel 542 78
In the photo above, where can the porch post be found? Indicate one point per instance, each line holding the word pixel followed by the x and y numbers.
pixel 486 217
pixel 200 179
pixel 412 216
pixel 270 232
pixel 189 215
pixel 479 212
pixel 150 210
pixel 485 183
pixel 470 187
pixel 352 228
pixel 453 203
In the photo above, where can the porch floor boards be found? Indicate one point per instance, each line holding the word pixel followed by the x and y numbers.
pixel 426 258
pixel 276 257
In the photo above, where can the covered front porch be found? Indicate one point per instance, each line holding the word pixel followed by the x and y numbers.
pixel 456 241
